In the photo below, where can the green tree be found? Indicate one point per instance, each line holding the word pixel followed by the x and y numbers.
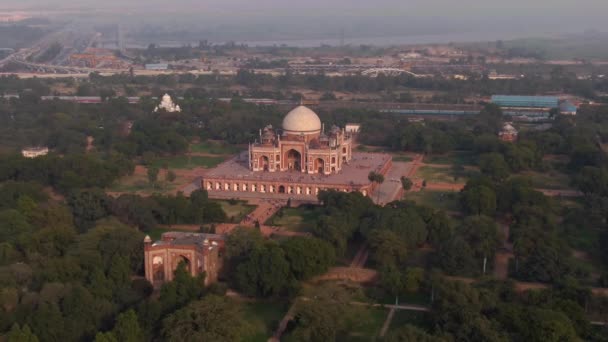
pixel 479 200
pixel 88 206
pixel 387 248
pixel 406 183
pixel 152 175
pixel 21 334
pixel 494 165
pixel 212 318
pixel 315 320
pixel 127 327
pixel 456 257
pixel 308 257
pixel 409 333
pixel 547 325
pixel 265 273
pixel 105 337
pixel 170 176
pixel 482 235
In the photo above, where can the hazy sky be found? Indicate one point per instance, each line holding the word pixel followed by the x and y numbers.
pixel 378 7
pixel 355 17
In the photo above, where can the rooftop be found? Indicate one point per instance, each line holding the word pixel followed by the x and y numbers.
pixel 199 240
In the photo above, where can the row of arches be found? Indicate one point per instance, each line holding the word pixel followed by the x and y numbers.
pixel 293 161
pixel 269 188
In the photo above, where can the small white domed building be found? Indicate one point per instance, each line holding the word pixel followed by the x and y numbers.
pixel 168 105
pixel 301 145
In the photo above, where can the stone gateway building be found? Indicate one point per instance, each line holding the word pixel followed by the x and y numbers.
pixel 200 253
pixel 303 145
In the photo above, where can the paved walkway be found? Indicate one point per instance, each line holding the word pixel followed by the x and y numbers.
pixel 391 189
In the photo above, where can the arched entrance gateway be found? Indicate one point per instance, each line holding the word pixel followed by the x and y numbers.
pixel 320 165
pixel 293 159
pixel 186 261
pixel 263 163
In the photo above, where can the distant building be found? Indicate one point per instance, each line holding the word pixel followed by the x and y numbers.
pixel 157 66
pixel 352 128
pixel 508 133
pixel 200 253
pixel 527 108
pixel 34 152
pixel 493 75
pixel 168 105
pixel 568 108
pixel 516 101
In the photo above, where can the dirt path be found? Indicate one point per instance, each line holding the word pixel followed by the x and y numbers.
pixel 501 261
pixel 360 258
pixel 276 337
pixel 387 322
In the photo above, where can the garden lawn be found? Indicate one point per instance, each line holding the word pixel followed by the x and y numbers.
pixel 236 210
pixel 300 219
pixel 415 318
pixel 185 162
pixel 547 180
pixel 369 328
pixel 444 200
pixel 218 148
pixel 445 175
pixel 453 158
pixel 139 183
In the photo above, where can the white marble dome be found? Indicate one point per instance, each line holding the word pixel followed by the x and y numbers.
pixel 302 120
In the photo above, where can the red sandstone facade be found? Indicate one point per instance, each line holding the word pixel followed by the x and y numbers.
pixel 290 184
pixel 299 160
pixel 200 252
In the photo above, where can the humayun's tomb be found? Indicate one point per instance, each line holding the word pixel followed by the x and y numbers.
pixel 298 160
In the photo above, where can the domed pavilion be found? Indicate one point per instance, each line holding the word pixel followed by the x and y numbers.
pixel 302 145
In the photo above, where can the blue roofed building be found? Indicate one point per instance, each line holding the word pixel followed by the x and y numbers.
pixel 527 108
pixel 517 101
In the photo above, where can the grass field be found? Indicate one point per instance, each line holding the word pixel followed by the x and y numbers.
pixel 445 200
pixel 140 183
pixel 300 219
pixel 263 317
pixel 444 175
pixel 547 180
pixel 236 211
pixel 214 148
pixel 370 325
pixel 453 158
pixel 415 318
pixel 185 162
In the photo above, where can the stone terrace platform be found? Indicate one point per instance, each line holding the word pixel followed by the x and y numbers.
pixel 234 179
